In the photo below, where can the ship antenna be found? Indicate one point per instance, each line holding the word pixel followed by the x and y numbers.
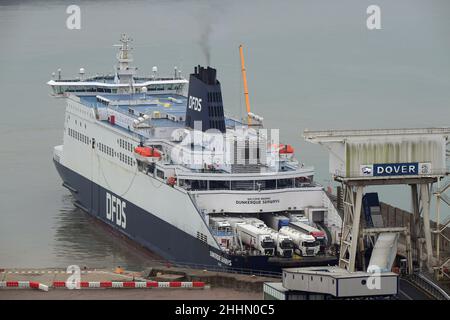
pixel 124 56
pixel 124 72
pixel 244 78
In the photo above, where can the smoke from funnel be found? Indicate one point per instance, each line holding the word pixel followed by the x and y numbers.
pixel 209 17
pixel 205 40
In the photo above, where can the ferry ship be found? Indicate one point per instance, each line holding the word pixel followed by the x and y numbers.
pixel 160 161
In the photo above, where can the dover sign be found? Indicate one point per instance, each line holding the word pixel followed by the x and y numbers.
pixel 395 169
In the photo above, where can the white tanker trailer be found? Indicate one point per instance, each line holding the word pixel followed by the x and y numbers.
pixel 305 244
pixel 284 244
pixel 256 238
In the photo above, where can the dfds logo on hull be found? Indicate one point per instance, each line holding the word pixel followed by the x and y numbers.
pixel 115 210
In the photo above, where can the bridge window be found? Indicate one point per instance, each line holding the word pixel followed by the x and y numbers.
pixel 198 184
pixel 285 183
pixel 219 185
pixel 302 181
pixel 266 184
pixel 243 185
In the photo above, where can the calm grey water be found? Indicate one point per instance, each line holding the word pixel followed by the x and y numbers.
pixel 311 64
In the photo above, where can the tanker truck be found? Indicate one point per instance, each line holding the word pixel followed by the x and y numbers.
pixel 305 244
pixel 256 238
pixel 284 244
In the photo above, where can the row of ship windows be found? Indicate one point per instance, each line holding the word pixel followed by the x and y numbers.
pixel 102 147
pixel 110 151
pixel 125 145
pixel 126 159
pixel 79 136
pixel 106 149
pixel 106 90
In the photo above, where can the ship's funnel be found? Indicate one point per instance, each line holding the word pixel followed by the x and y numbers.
pixel 205 104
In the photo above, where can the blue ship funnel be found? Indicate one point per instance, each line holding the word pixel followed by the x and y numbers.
pixel 205 106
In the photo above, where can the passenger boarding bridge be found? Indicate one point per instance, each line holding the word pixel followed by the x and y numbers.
pixel 360 158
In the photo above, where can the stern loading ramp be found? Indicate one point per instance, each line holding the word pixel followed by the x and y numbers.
pixel 385 247
pixel 384 252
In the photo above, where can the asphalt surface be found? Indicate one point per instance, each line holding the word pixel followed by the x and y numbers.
pixel 408 291
pixel 133 294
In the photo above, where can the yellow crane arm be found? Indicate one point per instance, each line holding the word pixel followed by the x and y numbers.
pixel 244 78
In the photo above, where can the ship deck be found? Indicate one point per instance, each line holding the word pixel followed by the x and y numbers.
pixel 136 104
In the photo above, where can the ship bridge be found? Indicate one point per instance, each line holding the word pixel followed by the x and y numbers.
pixel 124 79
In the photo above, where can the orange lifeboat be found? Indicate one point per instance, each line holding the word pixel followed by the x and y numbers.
pixel 285 151
pixel 283 148
pixel 147 154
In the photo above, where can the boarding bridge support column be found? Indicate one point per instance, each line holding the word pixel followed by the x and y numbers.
pixel 441 226
pixel 351 226
pixel 425 201
pixel 415 225
pixel 421 230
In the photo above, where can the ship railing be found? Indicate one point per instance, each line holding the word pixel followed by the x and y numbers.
pixel 225 269
pixel 233 270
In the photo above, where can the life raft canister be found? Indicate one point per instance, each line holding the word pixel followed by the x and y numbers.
pixel 147 152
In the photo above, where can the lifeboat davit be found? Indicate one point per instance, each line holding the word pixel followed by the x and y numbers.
pixel 147 154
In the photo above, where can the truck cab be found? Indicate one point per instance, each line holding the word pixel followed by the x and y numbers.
pixel 267 245
pixel 305 245
pixel 309 246
pixel 222 231
pixel 285 246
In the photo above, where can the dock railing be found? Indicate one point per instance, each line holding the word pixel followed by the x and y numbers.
pixel 428 286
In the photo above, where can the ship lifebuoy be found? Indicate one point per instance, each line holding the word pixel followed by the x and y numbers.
pixel 171 181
